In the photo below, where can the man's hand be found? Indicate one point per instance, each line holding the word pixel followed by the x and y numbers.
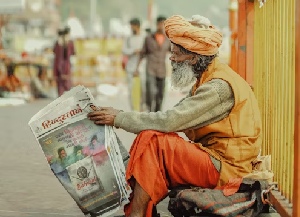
pixel 104 115
pixel 65 77
pixel 136 52
pixel 136 73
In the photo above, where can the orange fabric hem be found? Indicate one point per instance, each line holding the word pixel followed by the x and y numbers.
pixel 160 161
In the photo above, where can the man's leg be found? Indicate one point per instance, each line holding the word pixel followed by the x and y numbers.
pixel 143 91
pixel 158 162
pixel 60 88
pixel 150 88
pixel 68 84
pixel 140 201
pixel 160 87
pixel 129 84
pixel 64 86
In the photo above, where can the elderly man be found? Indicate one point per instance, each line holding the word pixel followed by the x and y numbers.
pixel 220 116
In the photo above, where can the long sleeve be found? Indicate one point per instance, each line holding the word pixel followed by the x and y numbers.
pixel 72 48
pixel 55 62
pixel 144 50
pixel 132 46
pixel 127 49
pixel 188 95
pixel 212 102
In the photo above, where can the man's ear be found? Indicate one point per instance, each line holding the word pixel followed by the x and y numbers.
pixel 193 60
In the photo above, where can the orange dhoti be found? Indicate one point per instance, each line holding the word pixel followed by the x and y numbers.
pixel 161 161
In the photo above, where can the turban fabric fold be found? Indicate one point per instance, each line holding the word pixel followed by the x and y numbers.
pixel 200 40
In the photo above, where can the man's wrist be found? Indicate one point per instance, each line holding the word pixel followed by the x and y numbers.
pixel 115 125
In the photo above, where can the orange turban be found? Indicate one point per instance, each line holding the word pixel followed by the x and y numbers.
pixel 200 40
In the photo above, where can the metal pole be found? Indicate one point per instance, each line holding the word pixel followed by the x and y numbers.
pixel 3 22
pixel 150 10
pixel 242 38
pixel 1 25
pixel 233 19
pixel 296 194
pixel 93 5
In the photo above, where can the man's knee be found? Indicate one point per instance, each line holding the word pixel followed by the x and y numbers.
pixel 153 133
pixel 160 139
pixel 147 133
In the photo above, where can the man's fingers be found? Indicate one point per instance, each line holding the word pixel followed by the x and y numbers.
pixel 100 111
pixel 105 115
pixel 104 108
pixel 98 122
pixel 91 114
pixel 95 113
pixel 103 121
pixel 97 117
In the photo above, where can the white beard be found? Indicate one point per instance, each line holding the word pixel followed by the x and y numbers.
pixel 182 75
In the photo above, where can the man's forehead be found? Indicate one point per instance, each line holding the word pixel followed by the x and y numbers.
pixel 174 47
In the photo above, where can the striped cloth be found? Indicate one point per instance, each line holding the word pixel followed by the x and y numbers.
pixel 246 202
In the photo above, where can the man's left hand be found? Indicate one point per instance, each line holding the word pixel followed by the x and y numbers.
pixel 104 115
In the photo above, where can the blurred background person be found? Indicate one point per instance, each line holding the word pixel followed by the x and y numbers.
pixel 155 49
pixel 39 84
pixel 63 50
pixel 131 50
pixel 148 30
pixel 10 83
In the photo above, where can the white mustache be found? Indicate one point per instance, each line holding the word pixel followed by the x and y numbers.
pixel 182 75
pixel 175 64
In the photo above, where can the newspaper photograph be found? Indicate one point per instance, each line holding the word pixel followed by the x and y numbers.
pixel 87 159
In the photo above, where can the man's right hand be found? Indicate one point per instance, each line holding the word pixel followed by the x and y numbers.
pixel 65 77
pixel 137 52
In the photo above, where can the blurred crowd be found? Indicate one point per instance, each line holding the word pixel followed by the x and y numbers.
pixel 36 85
pixel 140 55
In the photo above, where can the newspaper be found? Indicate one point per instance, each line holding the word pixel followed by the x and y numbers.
pixel 87 159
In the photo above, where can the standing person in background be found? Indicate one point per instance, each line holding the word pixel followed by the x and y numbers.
pixel 131 49
pixel 155 49
pixel 63 50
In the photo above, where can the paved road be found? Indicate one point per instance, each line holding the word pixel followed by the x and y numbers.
pixel 27 186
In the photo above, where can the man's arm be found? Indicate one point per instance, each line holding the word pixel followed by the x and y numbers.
pixel 127 49
pixel 212 102
pixel 55 52
pixel 142 54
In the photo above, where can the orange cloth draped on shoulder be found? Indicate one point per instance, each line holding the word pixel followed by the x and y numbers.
pixel 160 38
pixel 160 161
pixel 200 40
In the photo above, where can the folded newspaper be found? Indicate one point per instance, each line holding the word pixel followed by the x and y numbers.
pixel 88 159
